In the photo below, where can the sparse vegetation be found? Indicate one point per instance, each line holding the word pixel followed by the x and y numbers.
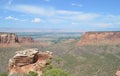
pixel 55 72
pixel 85 60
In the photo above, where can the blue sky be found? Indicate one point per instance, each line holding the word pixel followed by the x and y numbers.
pixel 82 15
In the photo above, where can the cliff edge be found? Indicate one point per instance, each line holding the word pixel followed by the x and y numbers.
pixel 100 37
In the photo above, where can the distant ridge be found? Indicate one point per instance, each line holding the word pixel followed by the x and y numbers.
pixel 97 37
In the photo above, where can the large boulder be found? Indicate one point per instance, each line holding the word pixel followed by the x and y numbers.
pixel 28 60
pixel 117 73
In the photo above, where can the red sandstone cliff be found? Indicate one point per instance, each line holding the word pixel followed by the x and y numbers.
pixel 8 38
pixel 12 38
pixel 99 37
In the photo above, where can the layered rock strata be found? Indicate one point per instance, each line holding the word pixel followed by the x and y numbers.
pixel 100 37
pixel 8 38
pixel 29 60
pixel 12 38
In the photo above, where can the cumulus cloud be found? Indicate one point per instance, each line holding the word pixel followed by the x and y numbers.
pixel 15 19
pixel 11 18
pixel 37 20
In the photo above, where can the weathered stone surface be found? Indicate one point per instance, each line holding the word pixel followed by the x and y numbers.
pixel 8 38
pixel 28 60
pixel 117 73
pixel 99 37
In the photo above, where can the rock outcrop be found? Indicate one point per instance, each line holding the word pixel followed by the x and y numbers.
pixel 12 38
pixel 100 37
pixel 8 38
pixel 117 73
pixel 29 60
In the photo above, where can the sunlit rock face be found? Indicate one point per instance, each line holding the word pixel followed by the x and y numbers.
pixel 28 60
pixel 100 37
pixel 117 73
pixel 8 38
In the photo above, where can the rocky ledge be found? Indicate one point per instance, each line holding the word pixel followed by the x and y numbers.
pixel 100 37
pixel 29 60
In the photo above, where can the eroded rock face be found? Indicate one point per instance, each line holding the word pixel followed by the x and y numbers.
pixel 8 38
pixel 12 38
pixel 94 37
pixel 28 60
pixel 117 73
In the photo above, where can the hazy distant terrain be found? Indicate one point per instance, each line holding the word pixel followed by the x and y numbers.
pixel 85 60
pixel 51 36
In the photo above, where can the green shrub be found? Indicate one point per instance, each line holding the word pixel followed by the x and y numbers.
pixel 4 74
pixel 55 72
pixel 31 73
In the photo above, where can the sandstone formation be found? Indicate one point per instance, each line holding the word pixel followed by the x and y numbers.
pixel 8 38
pixel 29 60
pixel 117 73
pixel 12 38
pixel 100 37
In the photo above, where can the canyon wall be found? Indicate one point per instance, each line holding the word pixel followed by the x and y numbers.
pixel 100 37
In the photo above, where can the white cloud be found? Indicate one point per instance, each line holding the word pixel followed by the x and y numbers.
pixel 32 10
pixel 77 5
pixel 11 18
pixel 67 17
pixel 16 19
pixel 37 20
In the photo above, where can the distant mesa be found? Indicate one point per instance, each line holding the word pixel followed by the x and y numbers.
pixel 12 38
pixel 8 38
pixel 100 37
